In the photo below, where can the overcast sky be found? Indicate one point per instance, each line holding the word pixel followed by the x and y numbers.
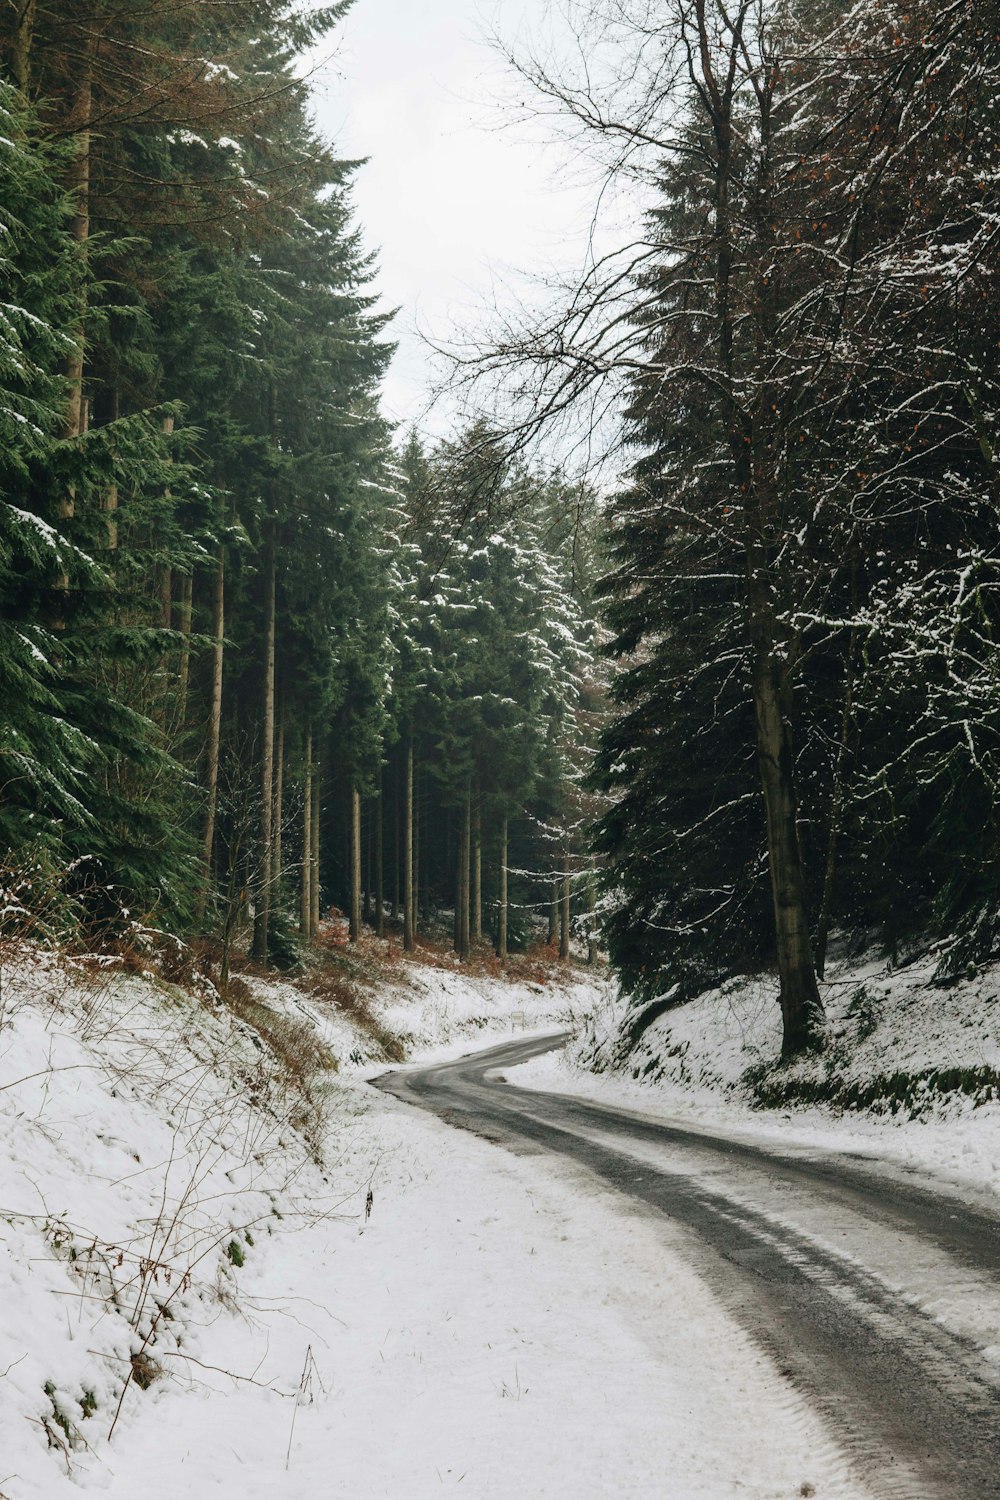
pixel 450 199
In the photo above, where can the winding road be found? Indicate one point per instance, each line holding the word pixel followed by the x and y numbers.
pixel 877 1295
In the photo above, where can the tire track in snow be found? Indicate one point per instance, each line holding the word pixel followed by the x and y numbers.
pixel 915 1406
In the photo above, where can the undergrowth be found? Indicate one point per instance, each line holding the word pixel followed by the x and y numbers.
pixel 341 992
pixel 300 1055
pixel 911 1094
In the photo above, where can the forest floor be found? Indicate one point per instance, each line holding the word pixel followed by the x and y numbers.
pixel 229 1266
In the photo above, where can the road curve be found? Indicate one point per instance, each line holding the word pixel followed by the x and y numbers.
pixel 878 1297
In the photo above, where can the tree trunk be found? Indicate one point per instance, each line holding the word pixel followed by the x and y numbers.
pixel 279 801
pixel 456 940
pixel 233 905
pixel 355 929
pixel 755 442
pixel 166 573
pixel 109 504
pixel 262 909
pixel 591 930
pixel 553 914
pixel 184 676
pixel 109 499
pixel 836 811
pixel 408 925
pixel 78 184
pixel 396 847
pixel 21 48
pixel 502 911
pixel 477 872
pixel 78 125
pixel 366 848
pixel 305 875
pixel 463 863
pixel 801 1006
pixel 316 808
pixel 379 862
pixel 166 597
pixel 564 912
pixel 416 856
pixel 214 727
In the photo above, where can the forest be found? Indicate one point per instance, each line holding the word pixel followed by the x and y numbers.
pixel 262 655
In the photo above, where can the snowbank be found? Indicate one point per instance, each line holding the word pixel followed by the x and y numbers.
pixel 150 1144
pixel 217 1282
pixel 427 1010
pixel 910 1072
pixel 184 1185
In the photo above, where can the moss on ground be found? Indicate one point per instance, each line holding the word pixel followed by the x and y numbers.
pixel 774 1086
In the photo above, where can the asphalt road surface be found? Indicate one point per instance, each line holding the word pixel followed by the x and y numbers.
pixel 877 1294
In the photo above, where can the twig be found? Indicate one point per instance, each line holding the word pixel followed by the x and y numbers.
pixel 263 1385
pixel 303 1387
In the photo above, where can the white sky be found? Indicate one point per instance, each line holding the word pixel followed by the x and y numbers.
pixel 451 199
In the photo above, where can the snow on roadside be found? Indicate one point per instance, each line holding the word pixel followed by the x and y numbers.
pixel 910 1072
pixel 148 1144
pixel 493 1332
pixel 439 1009
pixel 431 1011
pixel 185 1237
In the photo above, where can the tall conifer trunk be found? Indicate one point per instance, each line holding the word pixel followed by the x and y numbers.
pixel 166 572
pixel 463 862
pixel 408 849
pixel 379 861
pixel 305 876
pixel 214 727
pixel 355 864
pixel 502 911
pixel 24 36
pixel 279 800
pixel 477 871
pixel 591 933
pixel 801 1006
pixel 262 910
pixel 564 912
pixel 109 499
pixel 78 125
pixel 397 847
pixel 314 849
pixel 367 852
pixel 416 855
pixel 184 676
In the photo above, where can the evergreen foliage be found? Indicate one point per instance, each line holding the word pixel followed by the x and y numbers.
pixel 810 535
pixel 230 610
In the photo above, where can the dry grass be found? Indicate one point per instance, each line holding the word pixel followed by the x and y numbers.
pixel 299 1053
pixel 340 992
pixel 372 960
pixel 351 972
pixel 539 964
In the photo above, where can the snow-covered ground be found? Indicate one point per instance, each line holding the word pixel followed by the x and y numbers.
pixel 910 1073
pixel 430 1011
pixel 198 1295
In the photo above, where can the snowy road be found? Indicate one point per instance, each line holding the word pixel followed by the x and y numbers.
pixel 876 1295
